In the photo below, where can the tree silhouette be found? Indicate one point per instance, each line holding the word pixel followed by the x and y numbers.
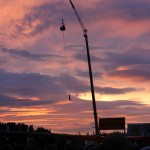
pixel 30 128
pixel 21 127
pixel 41 129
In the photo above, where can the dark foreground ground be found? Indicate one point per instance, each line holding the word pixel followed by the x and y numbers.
pixel 51 141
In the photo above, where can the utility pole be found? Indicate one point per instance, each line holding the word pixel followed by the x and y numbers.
pixel 90 69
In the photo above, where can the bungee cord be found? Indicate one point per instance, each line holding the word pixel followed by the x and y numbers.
pixel 63 28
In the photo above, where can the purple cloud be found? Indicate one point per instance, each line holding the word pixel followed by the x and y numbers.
pixel 125 9
pixel 16 53
pixel 13 102
pixel 131 57
pixel 38 19
pixel 110 90
pixel 134 74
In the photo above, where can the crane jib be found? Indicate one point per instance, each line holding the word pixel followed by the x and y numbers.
pixel 90 69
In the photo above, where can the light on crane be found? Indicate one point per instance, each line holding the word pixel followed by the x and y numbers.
pixel 90 68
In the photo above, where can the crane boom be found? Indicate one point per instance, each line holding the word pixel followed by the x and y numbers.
pixel 90 68
pixel 79 19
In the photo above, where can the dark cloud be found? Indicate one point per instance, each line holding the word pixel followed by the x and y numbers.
pixel 108 108
pixel 38 19
pixel 86 74
pixel 143 39
pixel 84 107
pixel 83 57
pixel 125 9
pixel 130 57
pixel 38 85
pixel 2 61
pixel 133 74
pixel 107 90
pixel 13 102
pixel 110 90
pixel 79 86
pixel 79 110
pixel 16 53
pixel 81 47
pixel 41 18
pixel 133 63
pixel 124 107
pixel 45 87
pixel 132 10
pixel 118 104
pixel 76 85
pixel 30 84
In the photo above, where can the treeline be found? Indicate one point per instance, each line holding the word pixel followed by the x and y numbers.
pixel 21 127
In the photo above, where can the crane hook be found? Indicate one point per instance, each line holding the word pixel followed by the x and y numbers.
pixel 62 28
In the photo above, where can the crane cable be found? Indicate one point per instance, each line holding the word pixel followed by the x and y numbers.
pixel 63 28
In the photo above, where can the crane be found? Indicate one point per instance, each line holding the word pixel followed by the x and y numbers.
pixel 90 68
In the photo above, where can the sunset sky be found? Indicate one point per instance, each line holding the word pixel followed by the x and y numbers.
pixel 33 76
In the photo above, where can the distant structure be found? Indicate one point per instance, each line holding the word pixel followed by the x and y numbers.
pixel 112 123
pixel 139 129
